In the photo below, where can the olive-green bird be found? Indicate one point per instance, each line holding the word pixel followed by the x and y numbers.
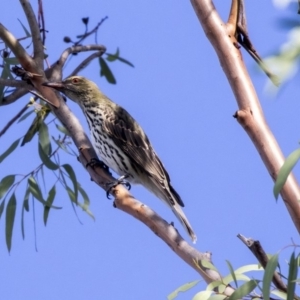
pixel 121 142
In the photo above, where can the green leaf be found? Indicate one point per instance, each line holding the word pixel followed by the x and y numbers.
pixel 243 290
pixel 11 148
pixel 232 272
pixel 291 284
pixel 182 288
pixel 239 277
pixel 204 295
pixel 72 176
pixel 125 61
pixel 25 29
pixel 113 57
pixel 106 72
pixel 25 116
pixel 25 206
pixel 280 294
pixel 217 297
pixel 10 218
pixel 71 195
pixel 85 206
pixel 285 170
pixel 63 129
pixel 268 275
pixel 116 56
pixel 11 61
pixel 50 199
pixel 208 265
pixel 248 268
pixel 44 138
pixel 5 184
pixel 2 207
pixel 36 192
pixel 46 160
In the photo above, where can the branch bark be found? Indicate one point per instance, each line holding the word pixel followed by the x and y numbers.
pixel 250 114
pixel 123 199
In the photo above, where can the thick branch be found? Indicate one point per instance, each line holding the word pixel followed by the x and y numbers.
pixel 28 64
pixel 14 83
pixel 38 48
pixel 124 200
pixel 250 114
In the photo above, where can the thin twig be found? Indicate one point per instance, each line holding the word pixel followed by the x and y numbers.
pixel 86 34
pixel 57 67
pixel 14 83
pixel 85 63
pixel 258 251
pixel 41 19
pixel 14 119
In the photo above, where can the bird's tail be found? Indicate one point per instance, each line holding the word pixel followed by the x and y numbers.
pixel 184 221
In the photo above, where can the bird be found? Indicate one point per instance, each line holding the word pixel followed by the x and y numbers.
pixel 121 143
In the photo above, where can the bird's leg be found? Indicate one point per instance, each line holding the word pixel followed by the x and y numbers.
pixel 113 184
pixel 97 162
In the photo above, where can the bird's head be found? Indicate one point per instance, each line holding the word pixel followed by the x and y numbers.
pixel 76 88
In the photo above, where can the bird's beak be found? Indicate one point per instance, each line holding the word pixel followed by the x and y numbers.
pixel 55 85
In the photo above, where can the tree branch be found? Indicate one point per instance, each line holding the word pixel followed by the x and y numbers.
pixel 124 200
pixel 14 83
pixel 57 68
pixel 258 251
pixel 38 48
pixel 250 114
pixel 85 63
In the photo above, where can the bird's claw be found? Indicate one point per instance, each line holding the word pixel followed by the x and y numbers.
pixel 97 162
pixel 113 184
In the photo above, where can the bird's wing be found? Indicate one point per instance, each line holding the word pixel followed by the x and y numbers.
pixel 131 139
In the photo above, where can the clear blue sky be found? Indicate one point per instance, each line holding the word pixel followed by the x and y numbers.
pixel 179 94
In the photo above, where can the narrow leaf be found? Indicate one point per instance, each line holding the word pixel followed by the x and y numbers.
pixel 125 61
pixel 244 290
pixel 248 268
pixel 44 138
pixel 85 206
pixel 72 176
pixel 25 29
pixel 25 206
pixel 291 284
pixel 36 192
pixel 285 170
pixel 279 294
pixel 204 295
pixel 232 272
pixel 10 218
pixel 49 201
pixel 268 275
pixel 106 72
pixel 46 160
pixel 11 61
pixel 182 288
pixel 63 129
pixel 25 116
pixel 11 148
pixel 2 207
pixel 5 184
pixel 113 57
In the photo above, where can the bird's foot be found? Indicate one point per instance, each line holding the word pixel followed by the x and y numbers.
pixel 97 162
pixel 113 184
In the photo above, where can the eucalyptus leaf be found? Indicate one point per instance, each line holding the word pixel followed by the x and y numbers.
pixel 10 218
pixel 11 148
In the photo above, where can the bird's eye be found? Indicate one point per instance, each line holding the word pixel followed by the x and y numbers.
pixel 75 80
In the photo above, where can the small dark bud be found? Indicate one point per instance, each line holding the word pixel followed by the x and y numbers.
pixel 67 39
pixel 5 53
pixel 85 21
